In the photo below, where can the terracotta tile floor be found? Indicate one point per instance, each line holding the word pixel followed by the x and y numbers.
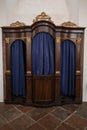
pixel 66 117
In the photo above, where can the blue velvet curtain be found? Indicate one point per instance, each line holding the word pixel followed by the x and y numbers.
pixel 43 54
pixel 18 68
pixel 68 67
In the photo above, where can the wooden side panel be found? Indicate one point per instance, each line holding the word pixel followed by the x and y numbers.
pixel 29 90
pixel 78 91
pixel 7 89
pixel 57 88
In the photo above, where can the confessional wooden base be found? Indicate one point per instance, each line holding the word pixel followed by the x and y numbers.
pixel 42 90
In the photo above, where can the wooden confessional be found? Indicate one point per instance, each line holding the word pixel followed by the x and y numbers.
pixel 43 63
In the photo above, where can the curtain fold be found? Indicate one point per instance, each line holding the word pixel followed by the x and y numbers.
pixel 68 67
pixel 18 68
pixel 43 54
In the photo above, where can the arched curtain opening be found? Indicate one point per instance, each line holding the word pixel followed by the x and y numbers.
pixel 43 54
pixel 18 49
pixel 68 67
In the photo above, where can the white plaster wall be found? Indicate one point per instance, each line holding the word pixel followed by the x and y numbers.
pixel 2 23
pixel 83 22
pixel 26 10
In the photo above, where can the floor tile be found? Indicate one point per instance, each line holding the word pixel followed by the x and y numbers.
pixel 71 107
pixel 12 114
pixel 2 121
pixel 61 113
pixel 64 126
pixel 77 122
pixel 25 109
pixel 5 107
pixel 35 127
pixel 22 123
pixel 82 111
pixel 49 122
pixel 18 117
pixel 7 127
pixel 38 113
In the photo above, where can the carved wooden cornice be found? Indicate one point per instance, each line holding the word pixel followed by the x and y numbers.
pixel 69 24
pixel 42 17
pixel 17 24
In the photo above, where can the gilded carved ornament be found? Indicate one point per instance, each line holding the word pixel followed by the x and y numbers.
pixel 69 24
pixel 42 17
pixel 17 24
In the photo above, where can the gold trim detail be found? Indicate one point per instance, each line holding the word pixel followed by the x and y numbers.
pixel 75 40
pixel 7 72
pixel 69 24
pixel 57 72
pixel 28 39
pixel 28 72
pixel 17 24
pixel 58 39
pixel 78 72
pixel 78 40
pixel 7 40
pixel 42 17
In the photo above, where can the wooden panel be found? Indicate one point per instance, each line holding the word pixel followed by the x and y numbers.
pixel 57 88
pixel 7 89
pixel 78 56
pixel 28 52
pixel 28 90
pixel 8 50
pixel 57 53
pixel 43 89
pixel 78 91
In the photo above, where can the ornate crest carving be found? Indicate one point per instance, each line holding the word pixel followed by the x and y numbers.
pixel 69 24
pixel 17 24
pixel 42 17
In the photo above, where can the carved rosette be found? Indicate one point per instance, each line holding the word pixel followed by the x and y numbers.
pixel 42 17
pixel 69 24
pixel 17 24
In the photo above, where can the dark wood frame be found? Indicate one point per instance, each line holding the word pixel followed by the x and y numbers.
pixel 26 33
